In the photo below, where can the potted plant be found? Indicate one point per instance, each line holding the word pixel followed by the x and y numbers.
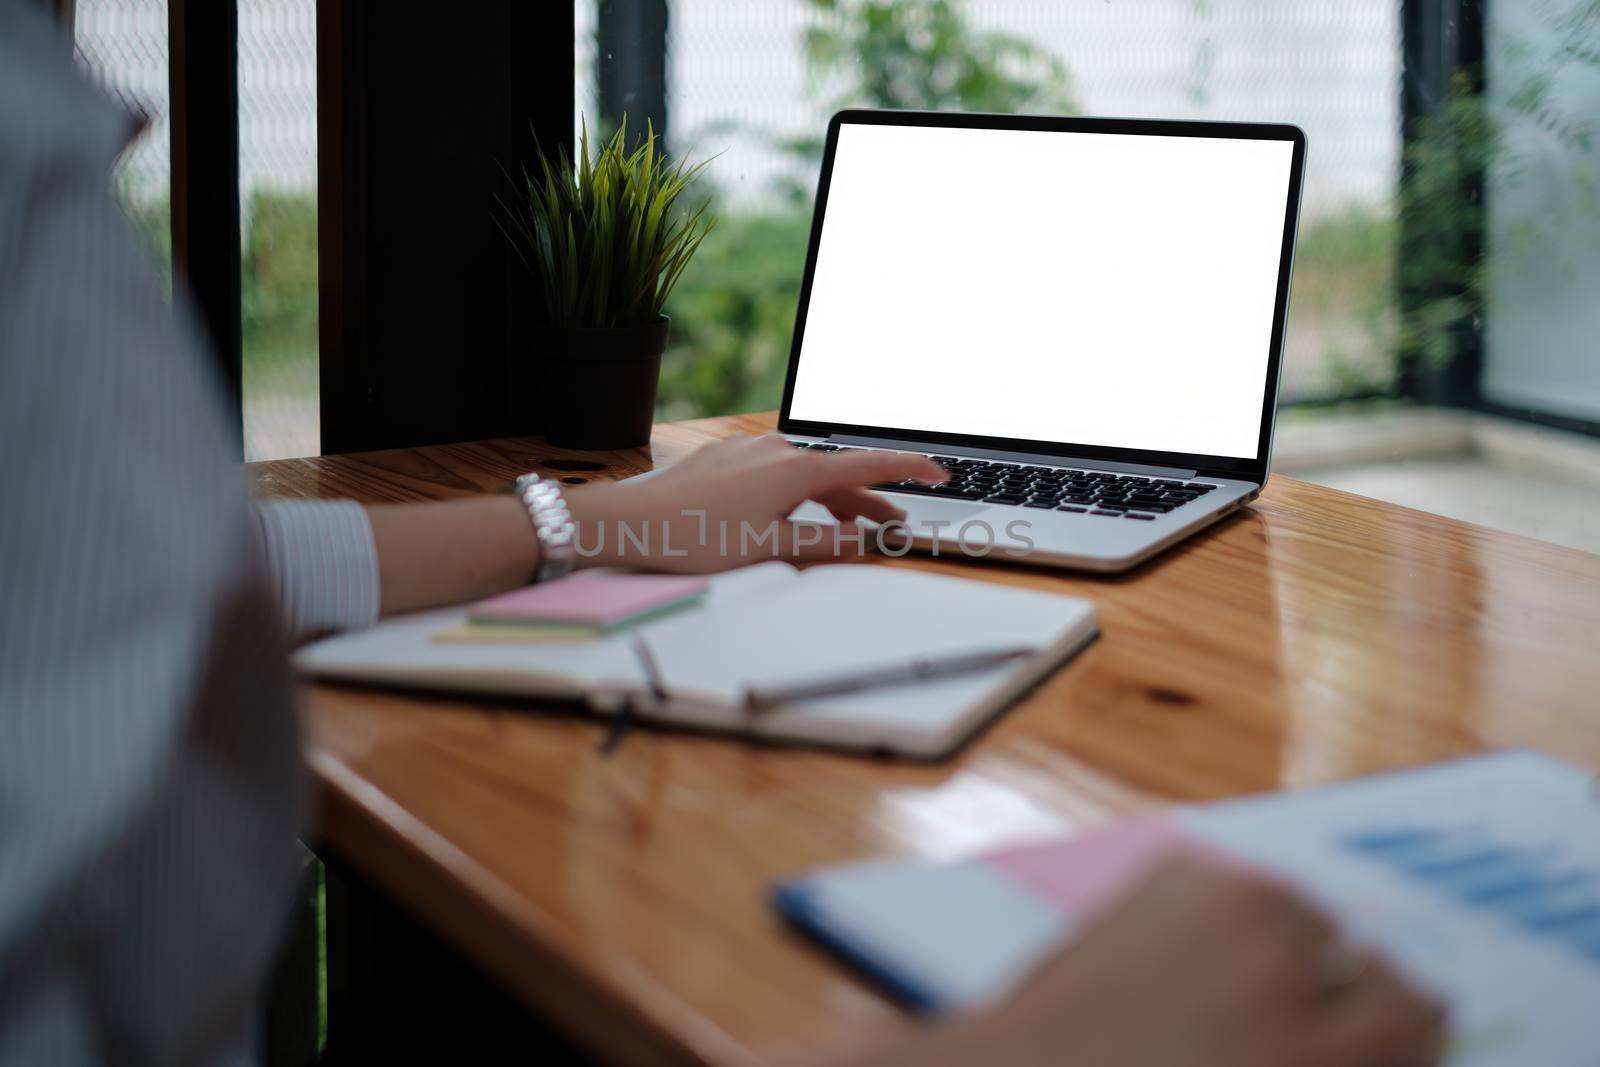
pixel 606 241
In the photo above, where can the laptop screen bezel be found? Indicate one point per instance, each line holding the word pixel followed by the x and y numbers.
pixel 1231 466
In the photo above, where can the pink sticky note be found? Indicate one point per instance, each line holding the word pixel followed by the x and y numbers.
pixel 599 600
pixel 1085 873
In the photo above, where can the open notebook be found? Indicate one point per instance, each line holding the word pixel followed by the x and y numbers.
pixel 764 626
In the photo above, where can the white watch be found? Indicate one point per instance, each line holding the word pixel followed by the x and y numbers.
pixel 552 525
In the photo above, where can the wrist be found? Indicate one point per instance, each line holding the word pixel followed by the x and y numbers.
pixel 524 553
pixel 596 512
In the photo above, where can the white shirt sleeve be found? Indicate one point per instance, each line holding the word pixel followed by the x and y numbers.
pixel 322 564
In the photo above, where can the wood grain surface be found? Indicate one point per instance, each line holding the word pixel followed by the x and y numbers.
pixel 1312 637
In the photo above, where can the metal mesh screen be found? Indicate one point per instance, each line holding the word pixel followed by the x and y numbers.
pixel 278 217
pixel 123 43
pixel 741 83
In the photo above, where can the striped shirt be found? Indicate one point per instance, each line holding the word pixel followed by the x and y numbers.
pixel 150 779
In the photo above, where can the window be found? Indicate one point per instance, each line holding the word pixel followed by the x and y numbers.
pixel 1439 347
pixel 124 43
pixel 1498 419
pixel 278 219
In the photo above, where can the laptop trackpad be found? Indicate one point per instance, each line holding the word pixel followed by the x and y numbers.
pixel 919 510
pixel 945 514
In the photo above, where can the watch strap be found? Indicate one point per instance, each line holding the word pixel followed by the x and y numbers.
pixel 552 525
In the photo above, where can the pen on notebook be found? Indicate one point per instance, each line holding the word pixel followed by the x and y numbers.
pixel 622 721
pixel 921 669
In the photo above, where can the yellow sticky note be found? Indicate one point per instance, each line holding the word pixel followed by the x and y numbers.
pixel 513 633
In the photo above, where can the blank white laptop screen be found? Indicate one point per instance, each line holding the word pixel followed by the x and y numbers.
pixel 1092 288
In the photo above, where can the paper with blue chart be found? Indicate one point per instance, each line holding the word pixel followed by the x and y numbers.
pixel 1481 878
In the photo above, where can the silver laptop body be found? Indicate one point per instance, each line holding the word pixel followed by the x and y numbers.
pixel 1081 319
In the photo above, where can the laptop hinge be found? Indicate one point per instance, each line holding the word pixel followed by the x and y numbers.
pixel 1011 457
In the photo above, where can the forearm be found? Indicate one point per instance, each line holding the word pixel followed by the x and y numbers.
pixel 445 553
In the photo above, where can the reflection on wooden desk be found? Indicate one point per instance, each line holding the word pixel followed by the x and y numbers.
pixel 1312 637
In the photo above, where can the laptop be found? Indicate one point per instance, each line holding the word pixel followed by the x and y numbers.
pixel 1081 319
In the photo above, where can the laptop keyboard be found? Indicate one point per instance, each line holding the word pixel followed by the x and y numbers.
pixel 1127 496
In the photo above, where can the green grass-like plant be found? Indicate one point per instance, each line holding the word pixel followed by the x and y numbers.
pixel 605 238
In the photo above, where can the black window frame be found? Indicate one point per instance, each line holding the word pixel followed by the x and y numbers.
pixel 427 333
pixel 203 87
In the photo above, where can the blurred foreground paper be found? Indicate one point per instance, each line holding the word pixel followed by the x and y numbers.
pixel 1481 878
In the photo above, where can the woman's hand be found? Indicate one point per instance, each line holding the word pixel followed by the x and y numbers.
pixel 1213 965
pixel 725 505
pixel 728 504
pixel 1206 964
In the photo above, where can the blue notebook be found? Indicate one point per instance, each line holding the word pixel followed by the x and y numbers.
pixel 1481 878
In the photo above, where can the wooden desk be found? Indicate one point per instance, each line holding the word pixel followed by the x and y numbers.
pixel 1313 637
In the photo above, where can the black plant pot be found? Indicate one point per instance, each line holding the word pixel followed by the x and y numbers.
pixel 605 385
